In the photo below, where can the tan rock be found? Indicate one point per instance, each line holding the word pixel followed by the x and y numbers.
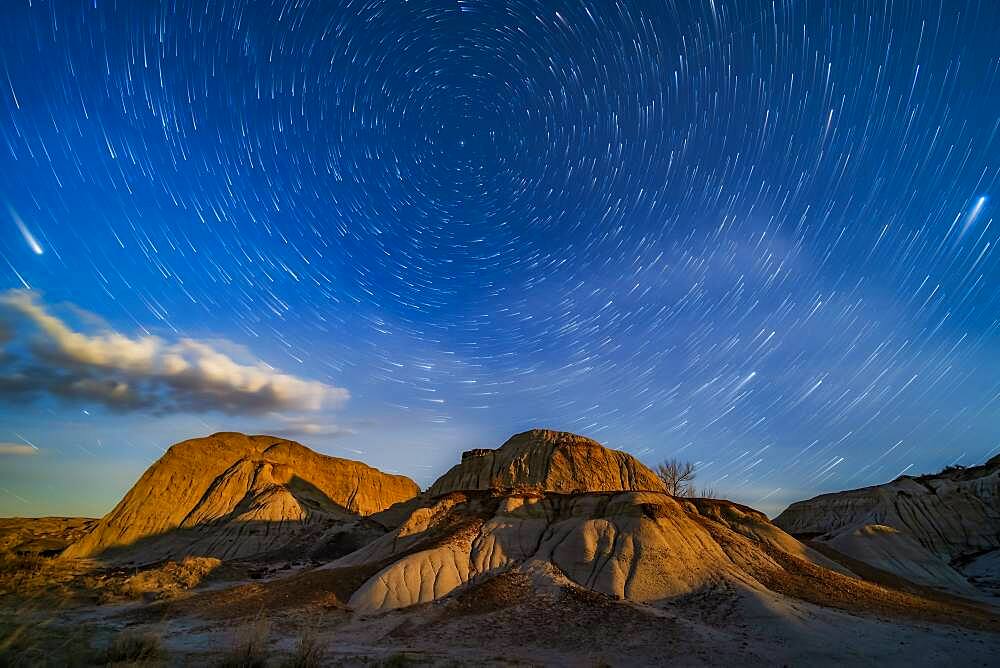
pixel 548 461
pixel 556 502
pixel 639 546
pixel 230 495
pixel 920 528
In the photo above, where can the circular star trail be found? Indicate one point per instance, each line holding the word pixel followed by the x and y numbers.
pixel 757 235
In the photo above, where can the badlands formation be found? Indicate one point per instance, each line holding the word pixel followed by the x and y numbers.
pixel 940 530
pixel 559 507
pixel 549 550
pixel 231 496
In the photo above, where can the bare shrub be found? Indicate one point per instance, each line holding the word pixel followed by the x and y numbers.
pixel 677 477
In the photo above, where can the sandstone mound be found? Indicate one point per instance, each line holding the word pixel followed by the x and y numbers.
pixel 641 546
pixel 551 504
pixel 548 461
pixel 230 496
pixel 928 529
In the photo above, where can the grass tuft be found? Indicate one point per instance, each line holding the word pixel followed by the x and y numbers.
pixel 249 648
pixel 133 649
pixel 309 652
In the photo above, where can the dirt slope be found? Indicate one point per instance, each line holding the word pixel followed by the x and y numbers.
pixel 230 495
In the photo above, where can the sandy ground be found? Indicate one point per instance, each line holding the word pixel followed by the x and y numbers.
pixel 507 622
pixel 62 613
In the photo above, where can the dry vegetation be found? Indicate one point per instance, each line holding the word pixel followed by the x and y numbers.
pixel 309 652
pixel 131 648
pixel 169 580
pixel 250 646
pixel 49 578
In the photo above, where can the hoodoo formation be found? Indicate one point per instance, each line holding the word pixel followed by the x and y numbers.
pixel 230 495
pixel 563 510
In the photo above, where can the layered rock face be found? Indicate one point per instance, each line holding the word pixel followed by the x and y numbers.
pixel 921 528
pixel 559 507
pixel 548 461
pixel 640 546
pixel 230 495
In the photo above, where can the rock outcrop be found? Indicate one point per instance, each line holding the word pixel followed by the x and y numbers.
pixel 928 529
pixel 552 504
pixel 640 546
pixel 548 461
pixel 230 496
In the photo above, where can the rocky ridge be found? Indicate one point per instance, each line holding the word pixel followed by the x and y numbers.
pixel 937 529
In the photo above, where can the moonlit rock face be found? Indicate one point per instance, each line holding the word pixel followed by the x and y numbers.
pixel 638 546
pixel 924 528
pixel 230 495
pixel 548 461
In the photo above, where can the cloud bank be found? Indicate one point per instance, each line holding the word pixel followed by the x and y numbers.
pixel 42 355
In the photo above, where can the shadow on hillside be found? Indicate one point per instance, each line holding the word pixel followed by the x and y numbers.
pixel 326 529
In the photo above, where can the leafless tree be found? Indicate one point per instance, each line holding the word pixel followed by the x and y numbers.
pixel 677 476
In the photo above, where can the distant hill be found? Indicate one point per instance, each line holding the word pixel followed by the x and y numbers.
pixel 941 530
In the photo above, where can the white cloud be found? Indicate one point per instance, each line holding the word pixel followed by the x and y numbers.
pixel 148 372
pixel 17 449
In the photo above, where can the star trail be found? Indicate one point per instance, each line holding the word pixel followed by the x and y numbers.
pixel 760 236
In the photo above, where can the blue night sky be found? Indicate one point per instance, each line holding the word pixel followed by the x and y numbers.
pixel 760 236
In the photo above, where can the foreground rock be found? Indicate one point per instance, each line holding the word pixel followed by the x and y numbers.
pixel 551 503
pixel 232 496
pixel 639 546
pixel 941 530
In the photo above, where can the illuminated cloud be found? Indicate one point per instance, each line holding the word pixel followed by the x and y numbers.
pixel 18 449
pixel 46 356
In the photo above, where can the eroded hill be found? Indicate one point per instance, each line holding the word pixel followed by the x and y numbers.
pixel 941 530
pixel 550 549
pixel 230 495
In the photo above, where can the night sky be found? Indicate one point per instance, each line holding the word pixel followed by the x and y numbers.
pixel 757 235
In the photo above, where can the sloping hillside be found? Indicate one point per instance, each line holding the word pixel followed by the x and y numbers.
pixel 939 530
pixel 230 495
